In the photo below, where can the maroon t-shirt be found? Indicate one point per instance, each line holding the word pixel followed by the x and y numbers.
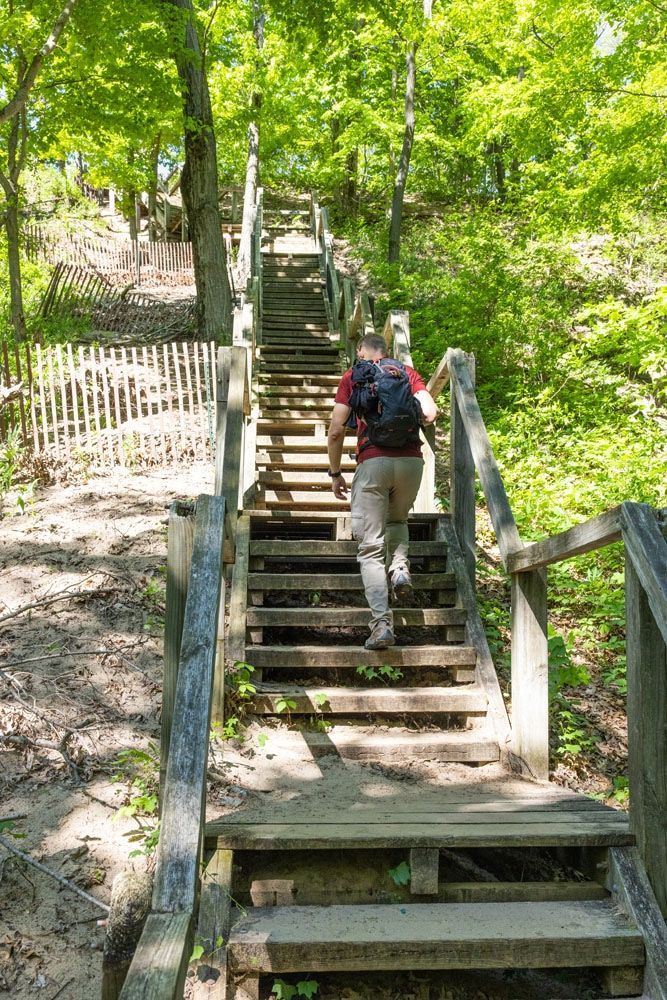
pixel 344 394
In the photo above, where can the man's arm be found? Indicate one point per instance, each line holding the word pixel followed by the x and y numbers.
pixel 335 443
pixel 427 403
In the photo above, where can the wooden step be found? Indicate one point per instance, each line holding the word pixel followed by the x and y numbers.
pixel 305 500
pixel 278 414
pixel 295 480
pixel 339 581
pixel 312 350
pixel 308 547
pixel 412 936
pixel 279 459
pixel 302 322
pixel 297 367
pixel 464 700
pixel 270 891
pixel 293 443
pixel 325 362
pixel 287 392
pixel 294 290
pixel 348 618
pixel 282 378
pixel 350 657
pixel 295 259
pixel 296 425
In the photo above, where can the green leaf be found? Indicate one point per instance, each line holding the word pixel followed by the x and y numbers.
pixel 283 990
pixel 307 987
pixel 197 953
pixel 401 873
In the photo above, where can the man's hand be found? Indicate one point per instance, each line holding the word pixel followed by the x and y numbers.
pixel 339 487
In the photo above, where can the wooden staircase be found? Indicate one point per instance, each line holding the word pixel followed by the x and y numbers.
pixel 504 873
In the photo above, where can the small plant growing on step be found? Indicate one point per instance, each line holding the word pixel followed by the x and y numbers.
pixel 284 704
pixel 285 991
pixel 320 700
pixel 401 874
pixel 241 681
pixel 386 673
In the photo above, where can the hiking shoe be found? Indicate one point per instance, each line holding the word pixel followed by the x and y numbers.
pixel 382 636
pixel 401 582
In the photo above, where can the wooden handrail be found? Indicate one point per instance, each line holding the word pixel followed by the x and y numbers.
pixel 500 511
pixel 647 549
pixel 592 534
pixel 159 965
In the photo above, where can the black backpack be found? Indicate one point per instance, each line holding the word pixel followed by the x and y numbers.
pixel 382 398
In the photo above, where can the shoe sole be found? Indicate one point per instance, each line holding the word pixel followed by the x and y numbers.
pixel 403 592
pixel 381 645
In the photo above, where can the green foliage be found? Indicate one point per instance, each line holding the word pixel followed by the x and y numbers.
pixel 386 673
pixel 401 874
pixel 285 991
pixel 140 770
pixel 284 704
pixel 241 682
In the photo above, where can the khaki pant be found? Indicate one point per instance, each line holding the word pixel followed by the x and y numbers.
pixel 383 491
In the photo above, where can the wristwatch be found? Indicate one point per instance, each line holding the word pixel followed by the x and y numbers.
pixel 334 475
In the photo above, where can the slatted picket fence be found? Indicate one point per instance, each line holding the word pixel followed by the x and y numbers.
pixel 115 406
pixel 81 292
pixel 121 262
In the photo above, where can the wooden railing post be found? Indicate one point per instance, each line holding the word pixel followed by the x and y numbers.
pixel 233 461
pixel 646 647
pixel 530 677
pixel 180 535
pixel 462 480
pixel 221 400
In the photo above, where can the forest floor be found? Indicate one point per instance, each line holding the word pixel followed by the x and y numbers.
pixel 81 613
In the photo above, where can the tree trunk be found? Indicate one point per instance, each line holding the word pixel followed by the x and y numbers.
pixel 199 188
pixel 16 150
pixel 249 194
pixel 14 262
pixel 243 266
pixel 152 191
pixel 404 162
pixel 130 206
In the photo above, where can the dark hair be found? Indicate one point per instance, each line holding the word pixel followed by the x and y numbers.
pixel 374 342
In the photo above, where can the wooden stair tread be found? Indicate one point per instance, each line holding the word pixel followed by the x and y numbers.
pixel 339 581
pixel 315 547
pixel 300 501
pixel 350 657
pixel 275 835
pixel 434 936
pixel 341 617
pixel 396 745
pixel 296 461
pixel 467 699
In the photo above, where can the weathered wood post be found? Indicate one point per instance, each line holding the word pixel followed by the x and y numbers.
pixel 530 678
pixel 646 647
pixel 180 535
pixel 221 399
pixel 462 474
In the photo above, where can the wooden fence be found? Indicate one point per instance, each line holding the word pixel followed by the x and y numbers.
pixel 80 292
pixel 121 262
pixel 113 406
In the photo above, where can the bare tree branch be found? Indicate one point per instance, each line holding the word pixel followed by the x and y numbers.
pixel 15 106
pixel 47 871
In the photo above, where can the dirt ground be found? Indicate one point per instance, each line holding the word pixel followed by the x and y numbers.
pixel 80 676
